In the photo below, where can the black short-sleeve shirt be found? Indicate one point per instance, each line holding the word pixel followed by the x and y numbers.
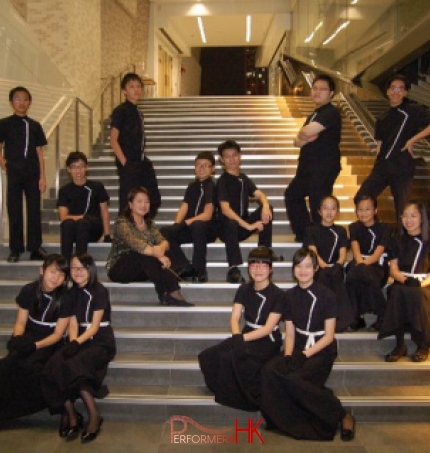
pixel 327 240
pixel 411 252
pixel 21 136
pixel 83 200
pixel 325 149
pixel 236 190
pixel 369 238
pixel 198 195
pixel 129 122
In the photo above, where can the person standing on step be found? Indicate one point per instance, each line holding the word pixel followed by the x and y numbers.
pixel 44 311
pixel 295 399
pixel 21 155
pixel 367 273
pixel 232 369
pixel 139 251
pixel 234 189
pixel 330 242
pixel 82 207
pixel 408 300
pixel 319 159
pixel 127 139
pixel 195 221
pixel 396 132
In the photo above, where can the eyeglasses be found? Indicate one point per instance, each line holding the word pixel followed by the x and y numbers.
pixel 320 89
pixel 203 165
pixel 397 88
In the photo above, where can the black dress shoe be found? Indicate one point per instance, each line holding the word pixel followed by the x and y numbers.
pixel 201 277
pixel 420 355
pixel 73 431
pixel 234 275
pixel 38 255
pixel 275 256
pixel 396 353
pixel 89 437
pixel 360 323
pixel 13 257
pixel 64 425
pixel 347 434
pixel 187 272
pixel 168 299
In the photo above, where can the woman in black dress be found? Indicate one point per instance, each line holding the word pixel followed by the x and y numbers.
pixel 330 243
pixel 78 369
pixel 232 369
pixel 42 319
pixel 367 273
pixel 409 296
pixel 294 397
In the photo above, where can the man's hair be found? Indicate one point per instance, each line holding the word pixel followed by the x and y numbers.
pixel 400 77
pixel 205 155
pixel 15 90
pixel 128 78
pixel 74 156
pixel 228 144
pixel 325 78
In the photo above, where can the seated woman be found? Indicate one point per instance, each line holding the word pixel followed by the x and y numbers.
pixel 232 369
pixel 367 273
pixel 409 297
pixel 42 319
pixel 294 397
pixel 78 369
pixel 138 251
pixel 330 243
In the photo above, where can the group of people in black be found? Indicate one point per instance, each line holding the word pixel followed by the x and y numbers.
pixel 246 371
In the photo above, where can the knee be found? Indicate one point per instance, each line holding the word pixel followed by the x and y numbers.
pixel 68 225
pixel 199 226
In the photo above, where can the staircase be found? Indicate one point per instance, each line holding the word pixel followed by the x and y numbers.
pixel 155 373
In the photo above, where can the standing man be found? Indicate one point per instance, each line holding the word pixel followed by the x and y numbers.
pixel 127 139
pixel 319 159
pixel 396 132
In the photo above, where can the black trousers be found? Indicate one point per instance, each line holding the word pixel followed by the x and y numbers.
pixel 315 183
pixel 136 174
pixel 199 233
pixel 231 234
pixel 23 181
pixel 135 267
pixel 382 176
pixel 81 232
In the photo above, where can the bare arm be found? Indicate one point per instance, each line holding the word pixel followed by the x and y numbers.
pixel 290 332
pixel 236 316
pixel 205 216
pixel 104 211
pixel 375 256
pixel 92 330
pixel 409 145
pixel 321 263
pixel 114 135
pixel 356 252
pixel 308 133
pixel 21 321
pixel 2 159
pixel 228 212
pixel 56 336
pixel 42 178
pixel 267 329
pixel 63 214
pixel 342 256
pixel 395 271
pixel 266 213
pixel 182 212
pixel 325 340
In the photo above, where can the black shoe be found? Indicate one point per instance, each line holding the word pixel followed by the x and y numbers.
pixel 38 255
pixel 168 299
pixel 13 257
pixel 234 275
pixel 275 256
pixel 396 353
pixel 420 355
pixel 187 272
pixel 89 437
pixel 201 277
pixel 360 323
pixel 73 431
pixel 347 434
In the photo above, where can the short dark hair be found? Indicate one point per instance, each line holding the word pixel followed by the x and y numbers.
pixel 330 197
pixel 88 262
pixel 15 90
pixel 228 144
pixel 325 78
pixel 205 155
pixel 400 77
pixel 129 77
pixel 74 156
pixel 370 198
pixel 262 254
pixel 301 254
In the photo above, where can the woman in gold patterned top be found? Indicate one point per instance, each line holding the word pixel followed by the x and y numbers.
pixel 138 251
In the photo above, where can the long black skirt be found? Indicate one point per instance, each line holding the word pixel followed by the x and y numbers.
pixel 297 402
pixel 64 379
pixel 235 376
pixel 406 305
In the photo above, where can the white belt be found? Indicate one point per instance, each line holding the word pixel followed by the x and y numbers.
pixel 87 325
pixel 257 326
pixel 43 323
pixel 311 336
pixel 381 258
pixel 419 277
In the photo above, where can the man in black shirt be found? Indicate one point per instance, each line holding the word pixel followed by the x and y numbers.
pixel 319 159
pixel 127 139
pixel 195 221
pixel 82 208
pixel 396 132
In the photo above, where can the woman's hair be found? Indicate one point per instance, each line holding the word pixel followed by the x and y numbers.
pixel 330 197
pixel 130 198
pixel 89 264
pixel 62 265
pixel 424 218
pixel 366 198
pixel 301 254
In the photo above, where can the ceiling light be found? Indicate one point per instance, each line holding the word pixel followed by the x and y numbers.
pixel 248 28
pixel 341 27
pixel 354 2
pixel 202 29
